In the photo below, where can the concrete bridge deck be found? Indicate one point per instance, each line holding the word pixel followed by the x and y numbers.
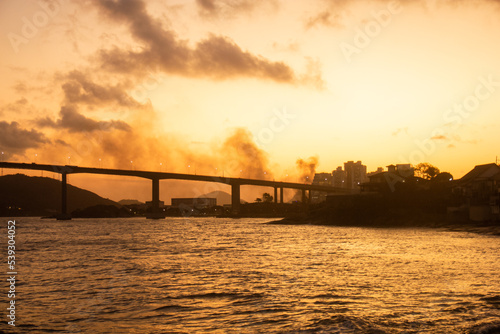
pixel 155 177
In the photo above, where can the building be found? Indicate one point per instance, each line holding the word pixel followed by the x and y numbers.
pixel 197 203
pixel 394 177
pixel 321 179
pixel 355 174
pixel 477 193
pixel 338 178
pixel 403 170
pixel 149 204
pixel 379 170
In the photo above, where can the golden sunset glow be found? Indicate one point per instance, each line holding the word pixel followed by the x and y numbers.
pixel 218 87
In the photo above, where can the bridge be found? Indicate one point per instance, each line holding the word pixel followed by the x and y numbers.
pixel 155 178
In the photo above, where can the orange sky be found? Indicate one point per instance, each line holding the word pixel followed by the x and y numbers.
pixel 248 87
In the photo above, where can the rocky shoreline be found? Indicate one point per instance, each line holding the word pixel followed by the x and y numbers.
pixel 435 222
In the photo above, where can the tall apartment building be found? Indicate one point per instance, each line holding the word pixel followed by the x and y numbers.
pixel 338 178
pixel 355 174
pixel 351 177
pixel 323 179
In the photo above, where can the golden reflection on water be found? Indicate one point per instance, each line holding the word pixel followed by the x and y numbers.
pixel 197 275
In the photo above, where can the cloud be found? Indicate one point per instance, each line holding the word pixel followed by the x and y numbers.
pixel 221 58
pixel 289 47
pixel 228 9
pixel 439 137
pixel 207 5
pixel 217 57
pixel 15 140
pixel 17 107
pixel 324 18
pixel 71 120
pixel 79 88
pixel 313 76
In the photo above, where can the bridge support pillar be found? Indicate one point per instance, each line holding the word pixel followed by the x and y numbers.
pixel 306 200
pixel 235 199
pixel 309 197
pixel 155 203
pixel 281 195
pixel 275 194
pixel 64 199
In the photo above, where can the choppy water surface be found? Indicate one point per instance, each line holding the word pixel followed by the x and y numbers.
pixel 243 276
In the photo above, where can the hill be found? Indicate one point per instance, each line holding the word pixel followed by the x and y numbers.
pixel 221 196
pixel 130 202
pixel 22 195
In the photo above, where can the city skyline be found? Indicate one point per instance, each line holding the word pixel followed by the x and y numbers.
pixel 248 88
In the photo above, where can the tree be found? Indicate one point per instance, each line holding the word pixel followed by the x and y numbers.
pixel 258 200
pixel 267 198
pixel 426 171
pixel 443 177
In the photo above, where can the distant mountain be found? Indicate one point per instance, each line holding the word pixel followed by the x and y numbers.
pixel 22 195
pixel 221 196
pixel 130 202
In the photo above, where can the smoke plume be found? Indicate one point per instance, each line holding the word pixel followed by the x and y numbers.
pixel 307 169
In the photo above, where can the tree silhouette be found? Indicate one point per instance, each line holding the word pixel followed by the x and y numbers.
pixel 426 171
pixel 443 177
pixel 267 198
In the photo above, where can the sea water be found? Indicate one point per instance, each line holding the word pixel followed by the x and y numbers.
pixel 210 275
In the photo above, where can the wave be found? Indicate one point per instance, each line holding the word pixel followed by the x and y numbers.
pixel 217 295
pixel 493 300
pixel 342 324
pixel 172 308
pixel 486 328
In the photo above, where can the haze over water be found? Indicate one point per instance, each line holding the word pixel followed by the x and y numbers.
pixel 192 275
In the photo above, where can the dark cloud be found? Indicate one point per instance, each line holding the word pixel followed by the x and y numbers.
pixel 80 88
pixel 221 58
pixel 207 5
pixel 15 140
pixel 217 57
pixel 20 88
pixel 61 142
pixel 228 9
pixel 71 120
pixel 17 107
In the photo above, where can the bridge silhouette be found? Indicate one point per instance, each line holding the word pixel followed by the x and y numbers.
pixel 155 177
